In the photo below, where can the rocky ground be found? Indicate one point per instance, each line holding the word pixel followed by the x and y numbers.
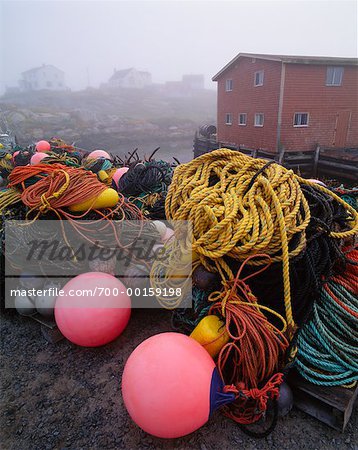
pixel 116 120
pixel 60 396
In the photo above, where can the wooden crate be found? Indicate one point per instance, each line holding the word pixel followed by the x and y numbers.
pixel 331 405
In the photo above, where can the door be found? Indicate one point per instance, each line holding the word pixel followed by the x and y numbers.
pixel 341 130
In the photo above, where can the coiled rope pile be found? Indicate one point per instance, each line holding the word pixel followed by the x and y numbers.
pixel 56 187
pixel 350 196
pixel 327 345
pixel 146 184
pixel 250 362
pixel 246 210
pixel 317 261
pixel 240 206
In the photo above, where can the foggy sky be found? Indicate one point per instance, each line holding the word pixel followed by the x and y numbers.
pixel 88 39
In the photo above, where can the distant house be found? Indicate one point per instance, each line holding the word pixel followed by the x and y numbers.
pixel 188 85
pixel 130 78
pixel 294 102
pixel 43 77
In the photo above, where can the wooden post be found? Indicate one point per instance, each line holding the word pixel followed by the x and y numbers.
pixel 281 156
pixel 195 144
pixel 315 161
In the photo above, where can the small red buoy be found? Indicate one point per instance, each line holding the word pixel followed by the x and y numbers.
pixel 119 173
pixel 43 146
pixel 14 155
pixel 96 154
pixel 37 158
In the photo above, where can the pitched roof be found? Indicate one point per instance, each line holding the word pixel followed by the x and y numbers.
pixel 36 69
pixel 119 74
pixel 290 59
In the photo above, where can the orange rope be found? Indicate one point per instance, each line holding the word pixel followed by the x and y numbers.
pixel 249 363
pixel 57 186
pixel 22 173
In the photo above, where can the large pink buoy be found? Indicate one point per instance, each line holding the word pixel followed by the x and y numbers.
pixel 37 157
pixel 92 320
pixel 170 385
pixel 43 146
pixel 119 173
pixel 99 154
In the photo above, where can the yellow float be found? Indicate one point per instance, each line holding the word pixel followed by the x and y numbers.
pixel 211 334
pixel 106 199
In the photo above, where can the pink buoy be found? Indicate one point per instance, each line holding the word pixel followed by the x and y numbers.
pixel 37 158
pixel 14 155
pixel 96 154
pixel 313 180
pixel 43 146
pixel 92 320
pixel 119 173
pixel 168 234
pixel 170 385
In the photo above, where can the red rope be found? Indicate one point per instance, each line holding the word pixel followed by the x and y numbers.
pixel 57 187
pixel 249 363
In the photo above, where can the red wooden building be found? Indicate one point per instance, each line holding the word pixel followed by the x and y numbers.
pixel 291 102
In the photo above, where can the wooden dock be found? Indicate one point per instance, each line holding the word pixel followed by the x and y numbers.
pixel 323 163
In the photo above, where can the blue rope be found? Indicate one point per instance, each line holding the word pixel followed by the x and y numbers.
pixel 327 346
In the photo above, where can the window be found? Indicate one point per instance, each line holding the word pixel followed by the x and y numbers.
pixel 259 78
pixel 334 76
pixel 228 119
pixel 259 120
pixel 229 85
pixel 300 120
pixel 242 118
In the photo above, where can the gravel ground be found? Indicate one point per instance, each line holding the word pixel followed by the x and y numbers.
pixel 59 396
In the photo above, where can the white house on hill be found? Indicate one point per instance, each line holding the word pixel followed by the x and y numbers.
pixel 43 77
pixel 130 78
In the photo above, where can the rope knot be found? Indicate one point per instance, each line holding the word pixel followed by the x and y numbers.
pixel 251 403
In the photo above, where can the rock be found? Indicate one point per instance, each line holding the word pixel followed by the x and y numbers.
pixel 38 133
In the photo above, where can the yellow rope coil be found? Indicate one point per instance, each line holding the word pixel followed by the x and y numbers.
pixel 9 197
pixel 240 206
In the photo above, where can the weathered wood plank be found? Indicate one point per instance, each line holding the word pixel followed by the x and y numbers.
pixel 331 405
